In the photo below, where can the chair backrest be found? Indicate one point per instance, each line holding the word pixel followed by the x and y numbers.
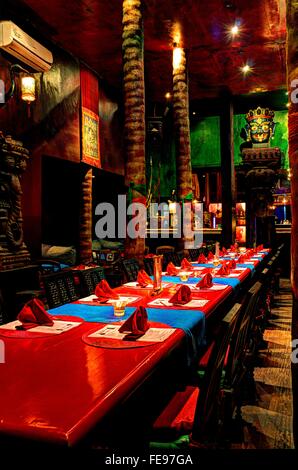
pixel 59 288
pixel 160 250
pixel 208 404
pixel 194 253
pixel 173 257
pixel 47 266
pixel 131 268
pixel 240 342
pixel 89 278
pixel 148 265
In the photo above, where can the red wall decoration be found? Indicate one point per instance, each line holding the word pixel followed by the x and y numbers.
pixel 90 118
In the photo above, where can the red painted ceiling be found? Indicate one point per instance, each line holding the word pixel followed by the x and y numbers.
pixel 91 30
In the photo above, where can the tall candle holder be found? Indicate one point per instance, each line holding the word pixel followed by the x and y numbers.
pixel 157 274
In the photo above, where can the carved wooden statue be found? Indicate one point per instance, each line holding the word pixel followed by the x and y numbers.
pixel 260 162
pixel 13 162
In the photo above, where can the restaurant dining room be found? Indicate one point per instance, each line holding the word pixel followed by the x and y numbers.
pixel 148 222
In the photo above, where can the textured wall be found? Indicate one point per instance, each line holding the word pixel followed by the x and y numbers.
pixel 205 142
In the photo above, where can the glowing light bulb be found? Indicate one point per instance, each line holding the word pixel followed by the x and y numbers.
pixel 234 30
pixel 246 69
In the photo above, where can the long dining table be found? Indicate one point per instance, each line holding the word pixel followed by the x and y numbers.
pixel 56 386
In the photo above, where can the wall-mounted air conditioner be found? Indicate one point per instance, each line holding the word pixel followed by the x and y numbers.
pixel 19 44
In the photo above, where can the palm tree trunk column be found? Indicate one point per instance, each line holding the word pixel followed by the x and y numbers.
pixel 134 106
pixel 182 128
pixel 85 253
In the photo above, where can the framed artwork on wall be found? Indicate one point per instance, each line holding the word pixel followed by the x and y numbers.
pixel 90 138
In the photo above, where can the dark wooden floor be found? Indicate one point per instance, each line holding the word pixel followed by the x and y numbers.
pixel 268 422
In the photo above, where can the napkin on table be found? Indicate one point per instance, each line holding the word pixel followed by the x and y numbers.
pixel 104 291
pixel 224 270
pixel 202 259
pixel 182 296
pixel 185 264
pixel 143 279
pixel 33 314
pixel 232 264
pixel 206 281
pixel 210 256
pixel 206 270
pixel 241 259
pixel 137 323
pixel 171 269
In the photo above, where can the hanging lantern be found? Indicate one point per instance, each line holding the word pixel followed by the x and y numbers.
pixel 28 88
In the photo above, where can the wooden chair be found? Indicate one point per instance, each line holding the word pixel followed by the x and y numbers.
pixel 194 253
pixel 88 280
pixel 131 268
pixel 160 250
pixel 173 257
pixel 148 265
pixel 195 411
pixel 60 288
pixel 238 375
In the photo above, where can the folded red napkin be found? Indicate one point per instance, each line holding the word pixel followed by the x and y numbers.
pixel 221 253
pixel 137 323
pixel 232 248
pixel 224 270
pixel 260 247
pixel 171 269
pixel 224 250
pixel 103 291
pixel 182 296
pixel 205 282
pixel 241 259
pixel 202 259
pixel 33 314
pixel 150 255
pixel 206 270
pixel 210 256
pixel 143 279
pixel 80 267
pixel 232 264
pixel 185 264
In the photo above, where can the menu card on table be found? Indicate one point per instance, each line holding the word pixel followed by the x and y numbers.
pixel 58 327
pixel 151 335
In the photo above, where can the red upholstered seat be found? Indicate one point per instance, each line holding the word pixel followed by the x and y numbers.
pixel 203 363
pixel 196 410
pixel 178 416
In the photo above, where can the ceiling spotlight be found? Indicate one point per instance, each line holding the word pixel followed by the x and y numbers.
pixel 168 95
pixel 194 113
pixel 234 30
pixel 230 5
pixel 288 105
pixel 246 69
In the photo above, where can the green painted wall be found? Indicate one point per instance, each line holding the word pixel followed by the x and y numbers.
pixel 280 138
pixel 205 142
pixel 205 149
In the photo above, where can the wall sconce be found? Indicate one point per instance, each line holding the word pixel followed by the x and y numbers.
pixel 27 85
pixel 28 88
